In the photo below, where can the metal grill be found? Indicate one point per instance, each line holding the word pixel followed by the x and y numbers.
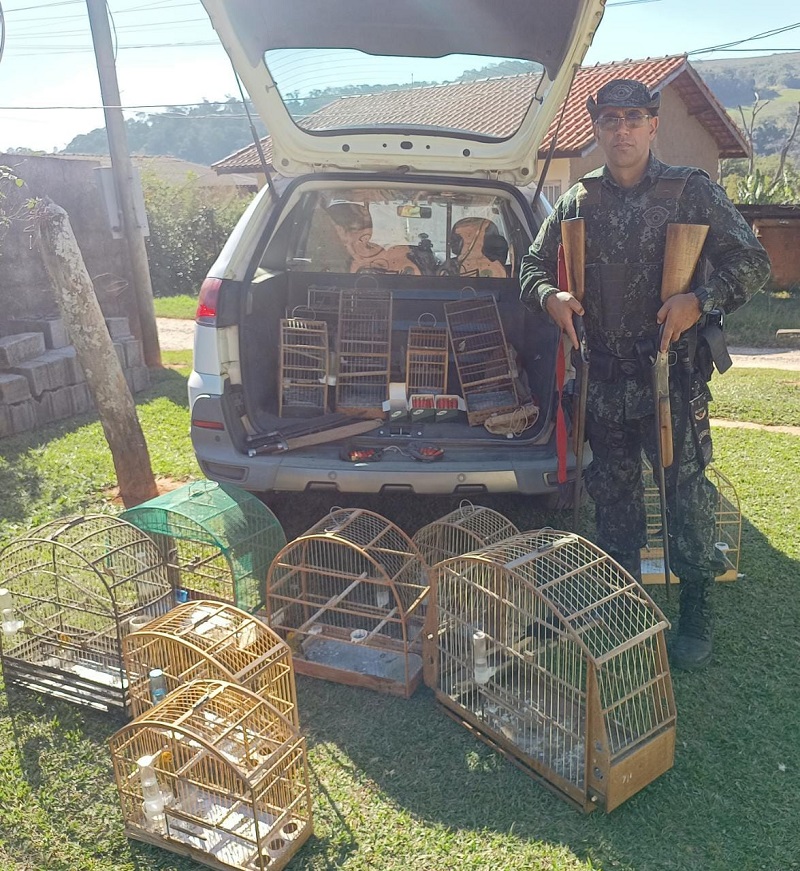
pixel 75 585
pixel 348 596
pixel 217 539
pixel 728 529
pixel 216 773
pixel 480 352
pixel 555 656
pixel 303 376
pixel 206 639
pixel 426 359
pixel 468 528
pixel 363 351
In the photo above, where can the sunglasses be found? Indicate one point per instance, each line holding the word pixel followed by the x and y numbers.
pixel 630 119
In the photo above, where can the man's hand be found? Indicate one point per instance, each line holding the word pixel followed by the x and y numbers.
pixel 561 307
pixel 677 314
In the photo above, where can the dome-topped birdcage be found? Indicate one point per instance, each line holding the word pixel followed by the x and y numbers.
pixel 216 773
pixel 554 655
pixel 728 535
pixel 217 539
pixel 208 639
pixel 468 528
pixel 75 584
pixel 349 597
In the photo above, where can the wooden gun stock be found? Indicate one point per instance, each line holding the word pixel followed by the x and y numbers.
pixel 684 246
pixel 573 238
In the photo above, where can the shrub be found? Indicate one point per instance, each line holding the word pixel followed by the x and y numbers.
pixel 188 227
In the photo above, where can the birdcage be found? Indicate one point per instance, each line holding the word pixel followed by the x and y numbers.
pixel 75 585
pixel 554 655
pixel 363 351
pixel 728 536
pixel 208 639
pixel 217 539
pixel 426 358
pixel 216 773
pixel 349 596
pixel 470 527
pixel 303 375
pixel 481 356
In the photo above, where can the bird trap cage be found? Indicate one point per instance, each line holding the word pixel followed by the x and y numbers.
pixel 216 773
pixel 207 639
pixel 481 356
pixel 427 355
pixel 728 536
pixel 217 539
pixel 363 351
pixel 470 527
pixel 303 375
pixel 556 657
pixel 349 597
pixel 75 585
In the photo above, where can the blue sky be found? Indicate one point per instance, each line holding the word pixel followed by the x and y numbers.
pixel 168 54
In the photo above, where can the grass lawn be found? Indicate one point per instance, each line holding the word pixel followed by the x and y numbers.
pixel 755 323
pixel 397 785
pixel 183 306
pixel 769 396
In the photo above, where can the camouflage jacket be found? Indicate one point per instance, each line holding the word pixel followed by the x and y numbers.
pixel 625 240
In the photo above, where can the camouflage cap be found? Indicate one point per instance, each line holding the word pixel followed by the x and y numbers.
pixel 623 94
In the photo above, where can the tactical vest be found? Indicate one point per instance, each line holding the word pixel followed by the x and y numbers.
pixel 625 241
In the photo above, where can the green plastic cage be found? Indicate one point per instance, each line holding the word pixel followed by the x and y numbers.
pixel 217 540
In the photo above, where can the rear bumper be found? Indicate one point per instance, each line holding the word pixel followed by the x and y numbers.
pixel 508 468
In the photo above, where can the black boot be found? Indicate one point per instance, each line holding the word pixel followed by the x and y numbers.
pixel 693 645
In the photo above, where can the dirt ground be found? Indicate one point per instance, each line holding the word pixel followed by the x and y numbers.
pixel 176 335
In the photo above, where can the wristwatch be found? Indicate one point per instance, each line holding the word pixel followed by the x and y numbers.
pixel 704 298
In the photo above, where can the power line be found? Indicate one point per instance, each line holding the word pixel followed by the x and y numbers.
pixel 727 46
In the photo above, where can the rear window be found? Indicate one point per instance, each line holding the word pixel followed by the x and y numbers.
pixel 423 232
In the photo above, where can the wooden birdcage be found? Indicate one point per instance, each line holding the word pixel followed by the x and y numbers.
pixel 207 639
pixel 349 597
pixel 303 375
pixel 323 300
pixel 216 773
pixel 363 349
pixel 470 527
pixel 481 356
pixel 76 584
pixel 217 539
pixel 427 353
pixel 728 537
pixel 554 655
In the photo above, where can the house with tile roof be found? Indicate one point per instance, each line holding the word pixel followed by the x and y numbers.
pixel 695 128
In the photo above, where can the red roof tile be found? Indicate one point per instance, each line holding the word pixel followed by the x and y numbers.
pixel 496 107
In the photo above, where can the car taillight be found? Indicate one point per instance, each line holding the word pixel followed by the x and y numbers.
pixel 207 301
pixel 208 424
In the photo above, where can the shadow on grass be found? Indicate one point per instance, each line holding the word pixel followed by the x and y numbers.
pixel 730 801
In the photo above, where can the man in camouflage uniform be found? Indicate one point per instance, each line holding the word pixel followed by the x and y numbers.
pixel 627 205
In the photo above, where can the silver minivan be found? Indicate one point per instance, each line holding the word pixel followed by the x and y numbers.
pixel 361 330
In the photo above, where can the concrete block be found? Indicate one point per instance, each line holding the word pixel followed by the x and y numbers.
pixel 134 355
pixel 118 328
pixel 81 398
pixel 20 348
pixel 138 378
pixel 23 416
pixel 60 402
pixel 73 370
pixel 5 422
pixel 120 349
pixel 53 330
pixel 13 388
pixel 39 374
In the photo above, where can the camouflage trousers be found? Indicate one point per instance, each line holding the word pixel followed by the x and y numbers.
pixel 618 435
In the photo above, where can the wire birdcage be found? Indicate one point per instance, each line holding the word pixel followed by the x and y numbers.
pixel 216 773
pixel 728 535
pixel 554 655
pixel 363 349
pixel 207 639
pixel 349 597
pixel 481 356
pixel 217 539
pixel 468 528
pixel 303 375
pixel 427 355
pixel 76 584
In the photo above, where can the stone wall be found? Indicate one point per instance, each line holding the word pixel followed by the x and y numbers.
pixel 41 380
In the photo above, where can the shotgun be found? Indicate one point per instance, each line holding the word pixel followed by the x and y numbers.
pixel 573 240
pixel 682 252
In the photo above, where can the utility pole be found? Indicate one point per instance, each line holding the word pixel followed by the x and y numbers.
pixel 122 170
